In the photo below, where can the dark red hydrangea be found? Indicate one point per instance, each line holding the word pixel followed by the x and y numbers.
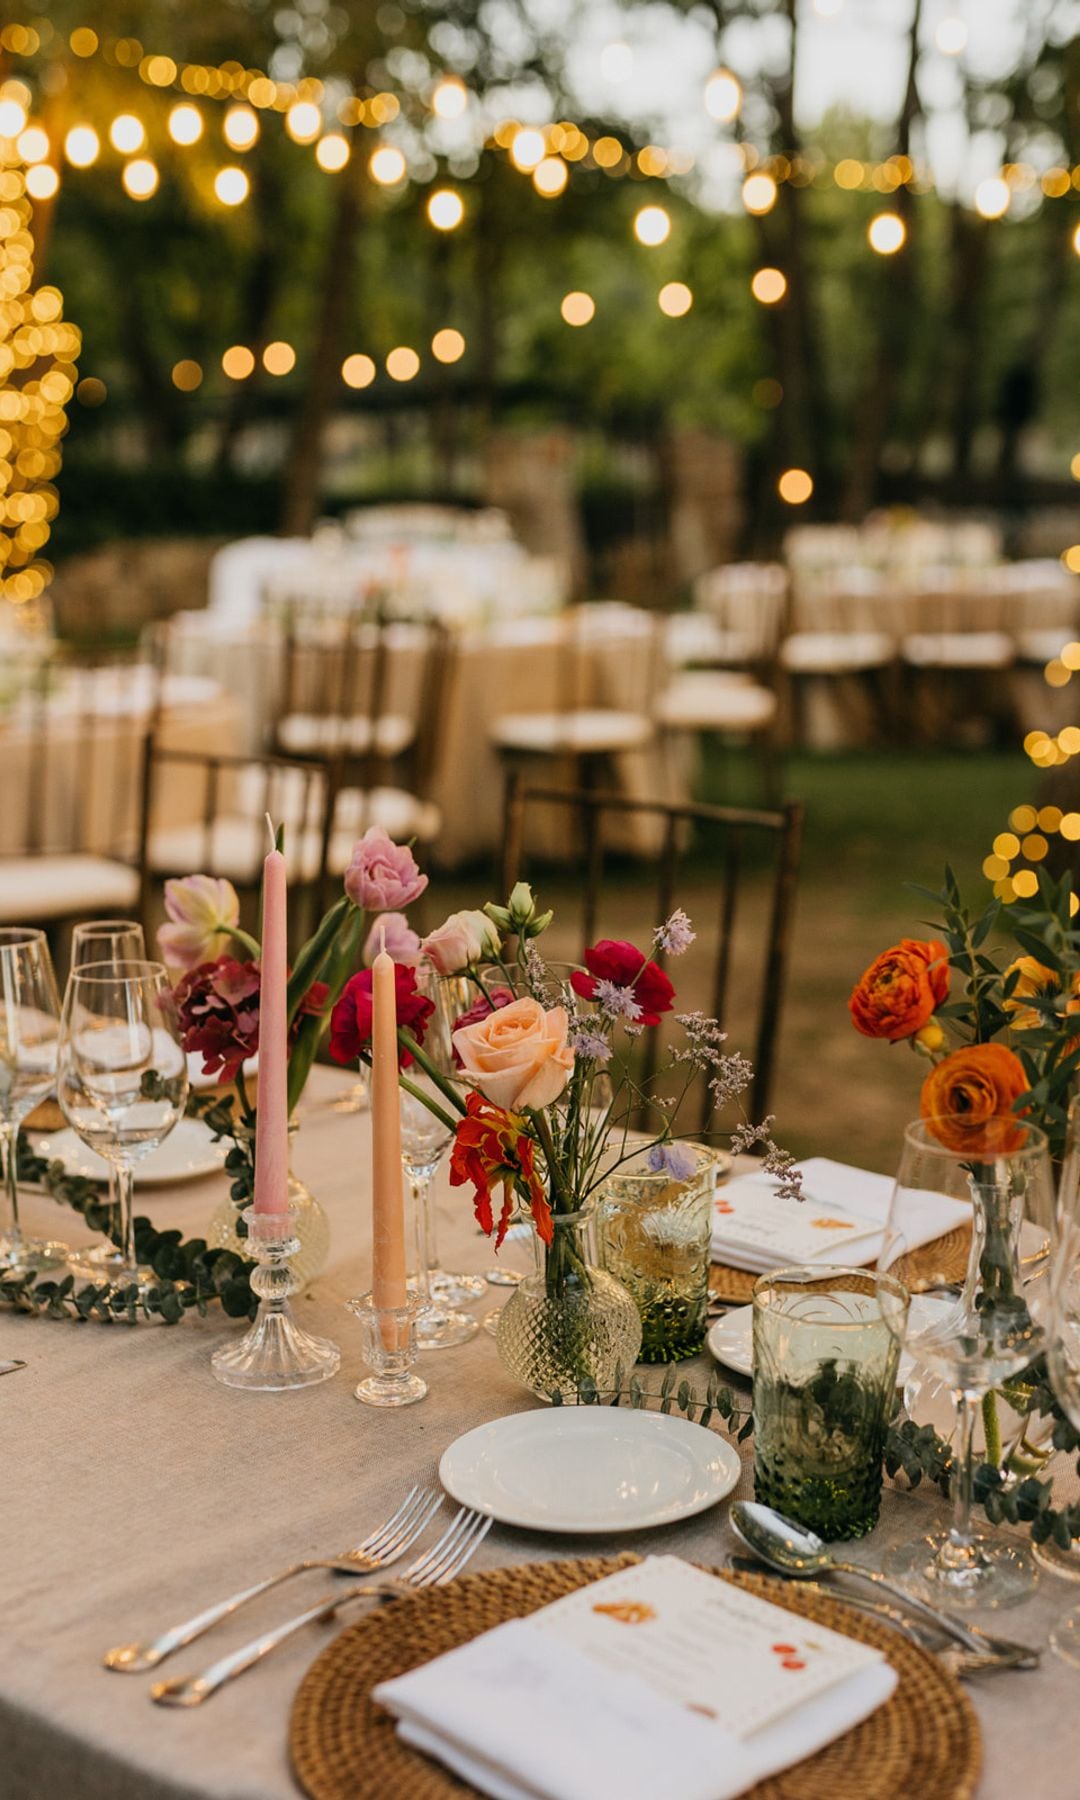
pixel 625 965
pixel 218 1008
pixel 350 1021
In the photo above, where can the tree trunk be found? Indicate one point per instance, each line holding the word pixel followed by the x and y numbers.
pixel 303 469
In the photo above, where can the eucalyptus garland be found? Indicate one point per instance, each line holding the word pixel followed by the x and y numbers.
pixel 914 1451
pixel 190 1275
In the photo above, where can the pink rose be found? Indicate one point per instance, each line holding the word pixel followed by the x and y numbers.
pixel 518 1055
pixel 402 943
pixel 382 876
pixel 466 938
pixel 201 912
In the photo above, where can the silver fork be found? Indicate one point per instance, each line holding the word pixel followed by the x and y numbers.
pixel 377 1551
pixel 446 1558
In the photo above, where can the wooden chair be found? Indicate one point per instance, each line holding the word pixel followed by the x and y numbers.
pixel 205 814
pixel 72 737
pixel 366 694
pixel 737 831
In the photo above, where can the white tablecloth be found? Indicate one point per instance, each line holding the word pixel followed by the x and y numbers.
pixel 136 1490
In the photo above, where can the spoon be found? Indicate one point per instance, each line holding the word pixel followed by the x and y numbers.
pixel 9 1368
pixel 792 1550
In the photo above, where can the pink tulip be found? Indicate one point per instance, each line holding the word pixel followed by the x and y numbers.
pixel 202 909
pixel 382 876
pixel 401 942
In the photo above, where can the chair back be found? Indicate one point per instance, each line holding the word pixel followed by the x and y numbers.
pixel 744 847
pixel 749 603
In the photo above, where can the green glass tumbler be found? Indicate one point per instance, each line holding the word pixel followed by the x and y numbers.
pixel 826 1353
pixel 653 1234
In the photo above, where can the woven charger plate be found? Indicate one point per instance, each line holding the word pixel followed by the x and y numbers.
pixel 946 1259
pixel 923 1741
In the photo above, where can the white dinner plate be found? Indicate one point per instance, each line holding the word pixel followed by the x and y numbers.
pixel 731 1338
pixel 589 1469
pixel 201 1082
pixel 188 1151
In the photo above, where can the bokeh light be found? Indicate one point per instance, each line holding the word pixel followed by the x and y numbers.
pixel 449 97
pixel 358 371
pixel 12 118
pixel 652 226
pixel 279 357
pixel 616 62
pixel 140 178
pixel 42 181
pixel 448 345
pixel 402 363
pixel 185 124
pixel 527 148
pixel 33 144
pixel 240 127
pixel 759 193
pixel 723 96
pixel 82 146
pixel 187 375
pixel 386 165
pixel 445 209
pixel 795 487
pixel 303 121
pixel 992 197
pixel 886 232
pixel 550 177
pixel 951 36
pixel 675 299
pixel 768 286
pixel 127 133
pixel 332 152
pixel 238 362
pixel 578 308
pixel 231 185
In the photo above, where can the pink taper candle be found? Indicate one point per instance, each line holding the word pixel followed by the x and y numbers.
pixel 272 1118
pixel 388 1205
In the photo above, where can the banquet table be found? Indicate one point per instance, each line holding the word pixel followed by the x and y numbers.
pixel 137 1490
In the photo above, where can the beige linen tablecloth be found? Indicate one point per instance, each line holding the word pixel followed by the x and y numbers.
pixel 137 1490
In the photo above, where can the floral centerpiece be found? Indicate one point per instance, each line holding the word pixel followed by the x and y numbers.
pixel 215 963
pixel 540 1094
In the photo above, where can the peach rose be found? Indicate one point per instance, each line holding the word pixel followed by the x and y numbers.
pixel 969 1096
pixel 518 1055
pixel 900 991
pixel 1033 981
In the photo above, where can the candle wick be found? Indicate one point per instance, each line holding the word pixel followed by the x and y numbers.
pixel 270 829
pixel 382 940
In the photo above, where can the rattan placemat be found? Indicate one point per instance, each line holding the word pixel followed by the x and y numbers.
pixel 946 1259
pixel 923 1741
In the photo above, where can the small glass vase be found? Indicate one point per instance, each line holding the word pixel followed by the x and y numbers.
pixel 571 1324
pixel 310 1223
pixel 653 1234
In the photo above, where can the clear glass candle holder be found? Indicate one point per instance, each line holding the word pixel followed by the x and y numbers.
pixel 389 1342
pixel 275 1352
pixel 826 1352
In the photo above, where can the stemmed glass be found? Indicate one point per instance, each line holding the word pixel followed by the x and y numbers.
pixel 424 1141
pixel 97 941
pixel 29 1024
pixel 1063 1356
pixel 451 996
pixel 995 1178
pixel 122 1076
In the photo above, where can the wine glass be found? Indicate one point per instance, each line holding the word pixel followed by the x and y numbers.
pixel 451 996
pixel 1063 1357
pixel 991 1179
pixel 122 1077
pixel 95 941
pixel 424 1141
pixel 29 1024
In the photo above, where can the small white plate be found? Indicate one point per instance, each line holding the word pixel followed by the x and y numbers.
pixel 731 1339
pixel 589 1469
pixel 188 1151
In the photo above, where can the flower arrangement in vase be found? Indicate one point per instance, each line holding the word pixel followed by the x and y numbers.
pixel 539 1092
pixel 216 966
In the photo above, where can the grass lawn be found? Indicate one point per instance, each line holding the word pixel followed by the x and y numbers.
pixel 874 822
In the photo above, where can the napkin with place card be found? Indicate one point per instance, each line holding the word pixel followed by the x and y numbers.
pixel 660 1679
pixel 840 1219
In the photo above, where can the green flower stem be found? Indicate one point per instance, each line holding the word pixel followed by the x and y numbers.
pixel 558 1186
pixel 245 941
pixel 317 950
pixel 443 1082
pixel 992 1428
pixel 425 1099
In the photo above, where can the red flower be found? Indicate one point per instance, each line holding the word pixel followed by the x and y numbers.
pixel 218 1007
pixel 350 1021
pixel 481 1006
pixel 493 1146
pixel 624 964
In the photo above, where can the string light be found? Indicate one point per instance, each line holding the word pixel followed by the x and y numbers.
pixel 240 128
pixel 449 98
pixel 185 125
pixel 12 118
pixel 82 146
pixel 303 121
pixel 886 233
pixel 33 144
pixel 231 185
pixel 127 133
pixel 1076 240
pixel 527 148
pixel 279 358
pixel 759 193
pixel 992 197
pixel 42 181
pixel 358 371
pixel 386 165
pixel 140 178
pixel 795 487
pixel 550 177
pixel 448 345
pixel 402 363
pixel 578 308
pixel 332 152
pixel 445 209
pixel 652 226
pixel 187 375
pixel 238 362
pixel 768 286
pixel 675 299
pixel 723 96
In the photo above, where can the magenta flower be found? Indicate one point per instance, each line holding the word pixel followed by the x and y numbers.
pixel 382 876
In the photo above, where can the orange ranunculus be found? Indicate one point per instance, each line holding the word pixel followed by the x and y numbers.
pixel 969 1096
pixel 901 990
pixel 1033 981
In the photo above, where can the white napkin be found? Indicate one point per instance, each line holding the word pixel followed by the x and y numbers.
pixel 840 1219
pixel 524 1713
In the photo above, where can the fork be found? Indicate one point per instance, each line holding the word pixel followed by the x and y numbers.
pixel 377 1551
pixel 446 1558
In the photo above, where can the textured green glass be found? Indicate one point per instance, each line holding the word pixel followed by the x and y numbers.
pixel 826 1350
pixel 653 1235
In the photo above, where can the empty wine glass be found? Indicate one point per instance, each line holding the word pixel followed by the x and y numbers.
pixel 424 1141
pixel 987 1183
pixel 451 996
pixel 29 1026
pixel 96 941
pixel 122 1077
